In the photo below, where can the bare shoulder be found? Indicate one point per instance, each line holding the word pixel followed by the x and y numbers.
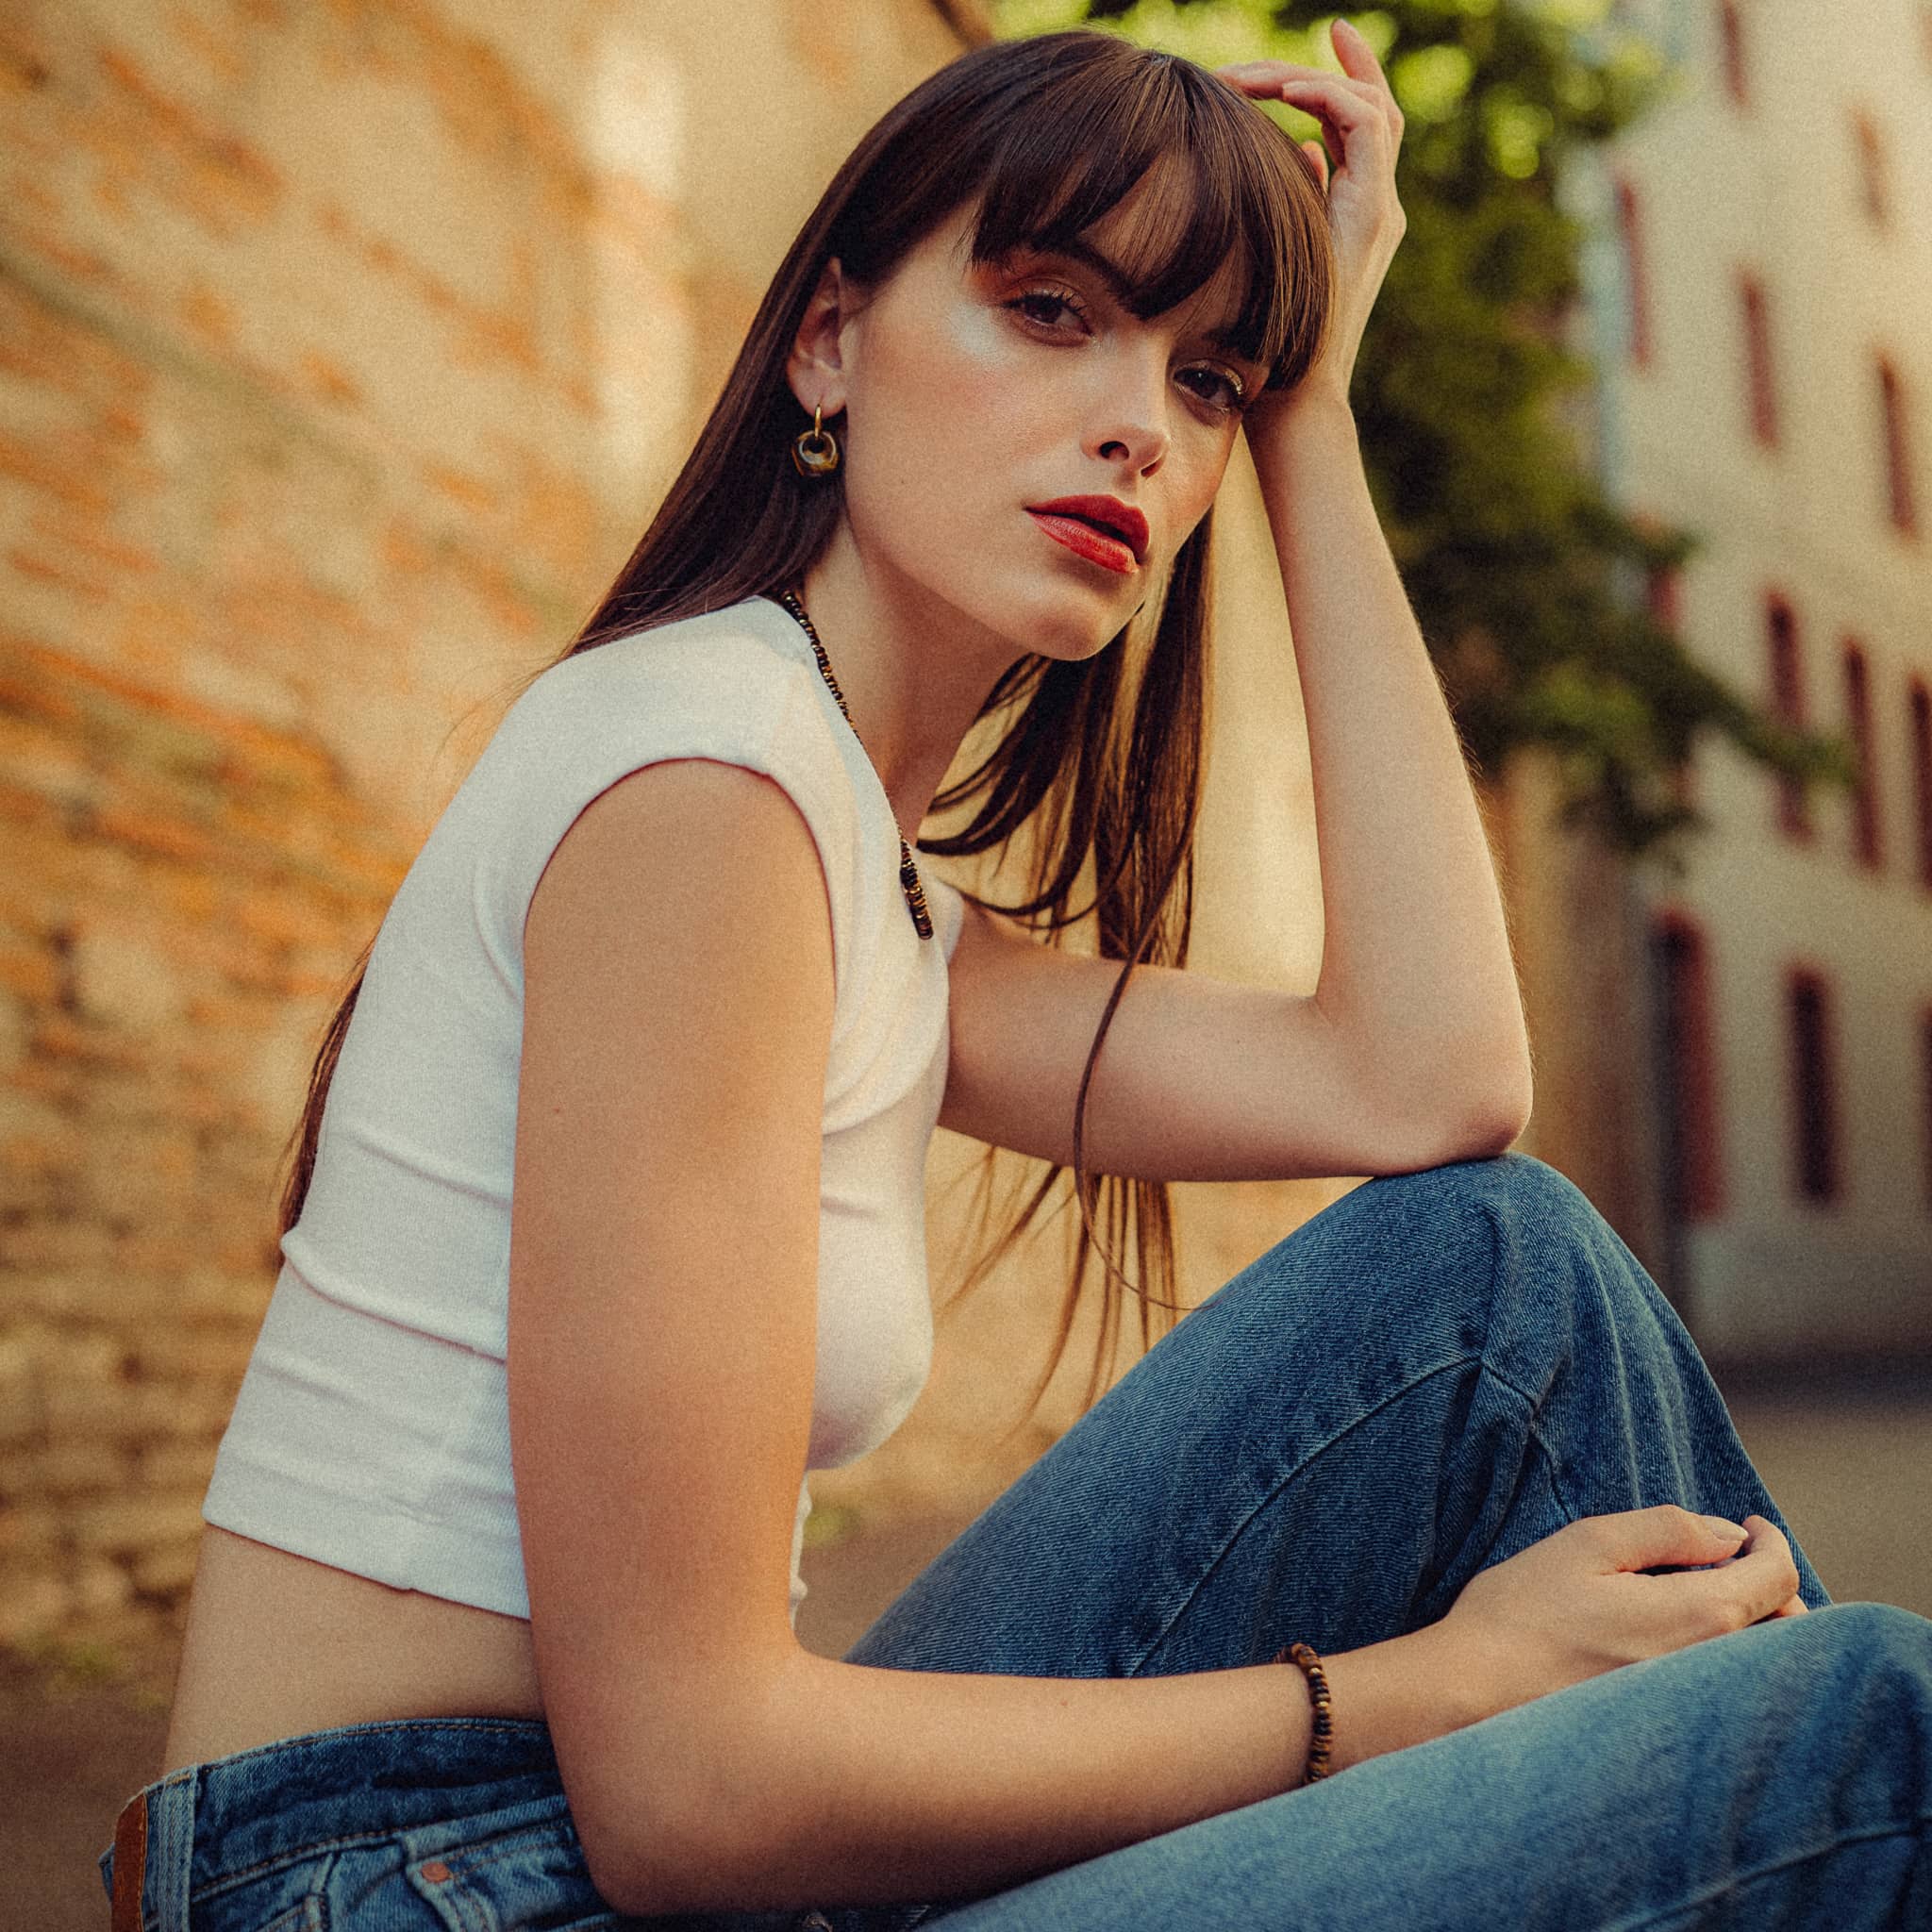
pixel 672 832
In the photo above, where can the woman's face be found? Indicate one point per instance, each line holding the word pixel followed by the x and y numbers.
pixel 975 394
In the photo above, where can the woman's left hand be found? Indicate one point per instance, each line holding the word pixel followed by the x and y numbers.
pixel 1362 124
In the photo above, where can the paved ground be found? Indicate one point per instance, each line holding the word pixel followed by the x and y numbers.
pixel 1850 1464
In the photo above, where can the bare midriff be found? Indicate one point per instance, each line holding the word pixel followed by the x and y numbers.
pixel 278 1645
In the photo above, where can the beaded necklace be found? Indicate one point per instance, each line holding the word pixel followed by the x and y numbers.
pixel 908 872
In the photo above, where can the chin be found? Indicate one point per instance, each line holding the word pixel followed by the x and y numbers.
pixel 1047 611
pixel 1060 620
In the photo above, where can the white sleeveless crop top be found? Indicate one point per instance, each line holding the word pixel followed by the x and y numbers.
pixel 372 1427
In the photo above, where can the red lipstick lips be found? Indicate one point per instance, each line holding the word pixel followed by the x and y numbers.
pixel 1103 529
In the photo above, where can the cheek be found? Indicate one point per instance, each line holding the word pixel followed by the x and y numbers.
pixel 946 401
pixel 949 373
pixel 1205 477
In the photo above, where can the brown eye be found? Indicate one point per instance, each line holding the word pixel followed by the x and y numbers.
pixel 1040 306
pixel 1220 390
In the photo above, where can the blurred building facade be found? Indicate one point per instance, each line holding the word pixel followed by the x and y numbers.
pixel 1742 1075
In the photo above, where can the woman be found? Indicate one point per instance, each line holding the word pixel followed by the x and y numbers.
pixel 493 1624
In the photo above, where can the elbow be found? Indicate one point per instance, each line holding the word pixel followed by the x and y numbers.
pixel 640 1862
pixel 1475 1122
pixel 649 1859
pixel 702 1834
pixel 1493 1135
pixel 1495 1120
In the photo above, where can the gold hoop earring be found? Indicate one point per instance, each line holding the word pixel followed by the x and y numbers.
pixel 814 451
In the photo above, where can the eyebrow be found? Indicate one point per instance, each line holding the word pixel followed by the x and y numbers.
pixel 1120 287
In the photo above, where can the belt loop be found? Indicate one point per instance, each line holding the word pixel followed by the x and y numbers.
pixel 154 1855
pixel 130 1863
pixel 170 1835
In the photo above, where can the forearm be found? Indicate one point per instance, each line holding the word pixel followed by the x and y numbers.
pixel 862 1785
pixel 1416 960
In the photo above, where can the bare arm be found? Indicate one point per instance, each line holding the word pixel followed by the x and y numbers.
pixel 1416 963
pixel 1416 958
pixel 677 1011
pixel 868 1785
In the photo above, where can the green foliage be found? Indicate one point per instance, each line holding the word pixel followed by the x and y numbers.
pixel 66 1662
pixel 830 1523
pixel 1526 579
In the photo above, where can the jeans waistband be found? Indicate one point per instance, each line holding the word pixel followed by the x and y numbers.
pixel 223 1816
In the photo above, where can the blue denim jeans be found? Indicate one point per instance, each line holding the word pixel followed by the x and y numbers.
pixel 1434 1373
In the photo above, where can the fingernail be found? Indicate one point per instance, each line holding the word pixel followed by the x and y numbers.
pixel 1723 1526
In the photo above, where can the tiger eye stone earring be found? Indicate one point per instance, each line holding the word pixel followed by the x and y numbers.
pixel 815 451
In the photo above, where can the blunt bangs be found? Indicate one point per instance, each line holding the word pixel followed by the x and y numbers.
pixel 1224 187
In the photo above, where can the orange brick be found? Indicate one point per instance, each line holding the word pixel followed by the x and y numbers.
pixel 59 463
pixel 132 828
pixel 45 571
pixel 29 970
pixel 62 1036
pixel 93 544
pixel 329 379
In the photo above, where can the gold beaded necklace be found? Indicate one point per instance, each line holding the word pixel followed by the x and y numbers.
pixel 908 872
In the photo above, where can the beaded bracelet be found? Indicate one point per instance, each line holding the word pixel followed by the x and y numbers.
pixel 1323 1731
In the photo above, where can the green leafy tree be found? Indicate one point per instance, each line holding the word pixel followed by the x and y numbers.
pixel 1527 580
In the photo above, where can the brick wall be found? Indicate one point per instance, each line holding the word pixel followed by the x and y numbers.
pixel 342 351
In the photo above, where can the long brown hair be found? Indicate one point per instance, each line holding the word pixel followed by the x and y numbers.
pixel 1049 133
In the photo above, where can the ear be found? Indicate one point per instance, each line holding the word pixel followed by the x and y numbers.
pixel 816 366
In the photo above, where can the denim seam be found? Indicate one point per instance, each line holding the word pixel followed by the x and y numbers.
pixel 1269 1496
pixel 1533 1404
pixel 507 1844
pixel 1534 1436
pixel 228 1880
pixel 1913 1827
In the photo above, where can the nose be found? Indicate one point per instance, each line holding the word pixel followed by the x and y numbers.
pixel 1130 419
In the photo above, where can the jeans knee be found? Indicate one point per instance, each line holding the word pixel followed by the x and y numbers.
pixel 1520 1189
pixel 1880 1635
pixel 1421 1255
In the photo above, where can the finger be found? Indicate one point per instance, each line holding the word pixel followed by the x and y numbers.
pixel 1265 79
pixel 1665 1533
pixel 1318 160
pixel 1355 147
pixel 1346 103
pixel 1360 63
pixel 1764 1571
pixel 1353 50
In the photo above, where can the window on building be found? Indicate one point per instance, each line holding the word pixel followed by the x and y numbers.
pixel 1730 36
pixel 1875 194
pixel 1788 706
pixel 1636 272
pixel 1814 1099
pixel 1688 1080
pixel 1919 723
pixel 1763 393
pixel 1865 847
pixel 1902 505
